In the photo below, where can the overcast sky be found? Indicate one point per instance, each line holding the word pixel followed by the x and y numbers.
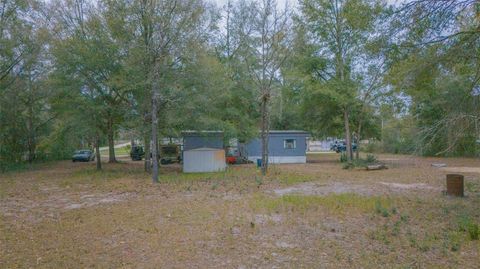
pixel 280 2
pixel 293 2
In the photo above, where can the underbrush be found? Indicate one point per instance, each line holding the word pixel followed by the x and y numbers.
pixel 15 167
pixel 356 163
pixel 468 226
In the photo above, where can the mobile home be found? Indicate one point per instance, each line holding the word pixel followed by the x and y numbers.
pixel 284 146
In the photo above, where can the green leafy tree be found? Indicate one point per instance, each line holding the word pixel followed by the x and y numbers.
pixel 437 66
pixel 87 48
pixel 339 31
pixel 25 117
pixel 264 46
pixel 163 32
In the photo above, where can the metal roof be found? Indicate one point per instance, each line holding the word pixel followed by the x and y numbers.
pixel 204 149
pixel 288 132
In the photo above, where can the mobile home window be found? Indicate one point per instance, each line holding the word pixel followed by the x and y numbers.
pixel 289 143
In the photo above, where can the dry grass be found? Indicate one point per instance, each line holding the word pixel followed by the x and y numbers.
pixel 65 215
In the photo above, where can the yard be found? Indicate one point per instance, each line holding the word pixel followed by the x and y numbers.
pixel 314 215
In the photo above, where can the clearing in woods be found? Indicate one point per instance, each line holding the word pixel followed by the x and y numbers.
pixel 67 215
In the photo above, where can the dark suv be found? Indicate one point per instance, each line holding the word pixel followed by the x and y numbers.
pixel 341 146
pixel 84 155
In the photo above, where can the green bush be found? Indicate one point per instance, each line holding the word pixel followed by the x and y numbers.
pixel 348 165
pixel 12 166
pixel 473 231
pixel 371 159
pixel 465 224
pixel 357 162
pixel 380 209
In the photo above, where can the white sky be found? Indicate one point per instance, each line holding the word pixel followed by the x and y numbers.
pixel 281 3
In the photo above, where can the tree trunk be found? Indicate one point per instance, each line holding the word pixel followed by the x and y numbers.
pixel 111 145
pixel 359 129
pixel 31 149
pixel 348 141
pixel 31 132
pixel 97 153
pixel 147 152
pixel 155 132
pixel 264 136
pixel 31 143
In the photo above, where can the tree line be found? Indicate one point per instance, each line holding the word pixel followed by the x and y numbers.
pixel 73 73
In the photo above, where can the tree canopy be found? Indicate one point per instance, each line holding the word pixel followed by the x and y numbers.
pixel 80 73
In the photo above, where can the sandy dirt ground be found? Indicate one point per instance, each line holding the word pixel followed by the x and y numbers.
pixel 314 215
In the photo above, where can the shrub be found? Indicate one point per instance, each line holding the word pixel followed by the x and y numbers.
pixel 348 165
pixel 371 159
pixel 357 162
pixel 404 217
pixel 380 209
pixel 465 224
pixel 473 231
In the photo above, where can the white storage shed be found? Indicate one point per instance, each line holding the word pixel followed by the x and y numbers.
pixel 204 160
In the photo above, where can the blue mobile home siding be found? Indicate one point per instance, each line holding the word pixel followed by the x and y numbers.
pixel 199 140
pixel 276 145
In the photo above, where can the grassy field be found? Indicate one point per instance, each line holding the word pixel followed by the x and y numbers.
pixel 314 215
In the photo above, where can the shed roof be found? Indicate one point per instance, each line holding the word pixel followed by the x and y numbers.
pixel 204 149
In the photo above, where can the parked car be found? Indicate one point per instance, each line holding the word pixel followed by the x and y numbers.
pixel 83 155
pixel 341 146
pixel 137 153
